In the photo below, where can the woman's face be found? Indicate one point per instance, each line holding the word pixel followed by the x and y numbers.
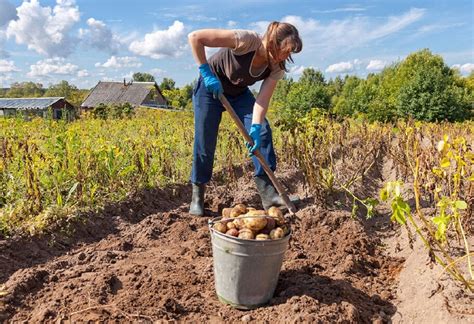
pixel 283 55
pixel 280 56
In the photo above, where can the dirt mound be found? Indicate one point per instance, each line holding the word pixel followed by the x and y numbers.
pixel 159 267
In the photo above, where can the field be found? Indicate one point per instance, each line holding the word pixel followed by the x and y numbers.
pixel 94 223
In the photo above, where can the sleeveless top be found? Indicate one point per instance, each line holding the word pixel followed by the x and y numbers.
pixel 233 66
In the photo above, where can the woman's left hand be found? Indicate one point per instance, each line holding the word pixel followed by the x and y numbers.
pixel 255 135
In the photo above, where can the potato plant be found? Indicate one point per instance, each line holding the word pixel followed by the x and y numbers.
pixel 454 177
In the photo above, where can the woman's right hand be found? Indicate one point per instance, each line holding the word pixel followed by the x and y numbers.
pixel 211 81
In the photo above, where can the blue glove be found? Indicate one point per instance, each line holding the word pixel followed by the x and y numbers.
pixel 211 82
pixel 255 135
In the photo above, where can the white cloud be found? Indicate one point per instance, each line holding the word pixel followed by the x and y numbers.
pixel 376 65
pixel 45 29
pixel 8 66
pixel 52 66
pixel 340 67
pixel 129 75
pixel 107 79
pixel 348 33
pixel 296 70
pixel 157 71
pixel 231 24
pixel 438 27
pixel 7 12
pixel 345 9
pixel 99 36
pixel 5 79
pixel 3 53
pixel 162 43
pixel 464 68
pixel 260 26
pixel 117 62
pixel 82 73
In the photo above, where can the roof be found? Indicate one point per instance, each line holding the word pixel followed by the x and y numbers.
pixel 28 103
pixel 118 93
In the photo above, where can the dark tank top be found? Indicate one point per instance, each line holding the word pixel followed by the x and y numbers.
pixel 234 71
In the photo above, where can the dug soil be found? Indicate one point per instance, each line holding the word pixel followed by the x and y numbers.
pixel 147 260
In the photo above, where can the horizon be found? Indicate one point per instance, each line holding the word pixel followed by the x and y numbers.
pixel 45 41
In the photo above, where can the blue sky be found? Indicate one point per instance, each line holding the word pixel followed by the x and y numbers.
pixel 91 40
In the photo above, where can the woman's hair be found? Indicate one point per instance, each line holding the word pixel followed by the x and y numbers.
pixel 282 36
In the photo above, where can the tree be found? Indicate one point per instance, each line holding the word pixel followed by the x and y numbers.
pixel 62 89
pixel 167 84
pixel 25 90
pixel 280 94
pixel 429 91
pixel 470 81
pixel 143 77
pixel 347 103
pixel 100 111
pixel 312 76
pixel 302 98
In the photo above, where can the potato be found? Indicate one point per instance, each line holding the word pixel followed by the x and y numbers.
pixel 262 237
pixel 255 223
pixel 238 209
pixel 233 232
pixel 255 212
pixel 277 214
pixel 277 233
pixel 226 212
pixel 220 227
pixel 271 224
pixel 246 234
pixel 231 225
pixel 239 223
pixel 286 229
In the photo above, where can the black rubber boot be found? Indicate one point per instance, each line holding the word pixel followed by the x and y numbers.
pixel 268 192
pixel 197 201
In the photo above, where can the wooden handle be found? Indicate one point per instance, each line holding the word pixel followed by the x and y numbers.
pixel 258 155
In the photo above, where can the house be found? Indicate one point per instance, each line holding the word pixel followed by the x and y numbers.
pixel 146 94
pixel 58 106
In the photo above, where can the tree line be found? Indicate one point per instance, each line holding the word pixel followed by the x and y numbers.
pixel 421 87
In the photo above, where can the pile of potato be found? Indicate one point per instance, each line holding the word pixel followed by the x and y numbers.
pixel 251 224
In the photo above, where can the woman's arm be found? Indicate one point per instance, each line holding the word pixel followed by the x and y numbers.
pixel 198 39
pixel 263 99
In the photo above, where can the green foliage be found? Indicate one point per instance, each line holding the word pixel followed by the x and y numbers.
pixel 51 170
pixel 348 102
pixel 167 84
pixel 25 90
pixel 421 87
pixel 100 111
pixel 308 93
pixel 143 77
pixel 180 98
pixel 62 89
pixel 114 111
pixel 280 93
pixel 429 91
pixel 445 175
pixel 392 192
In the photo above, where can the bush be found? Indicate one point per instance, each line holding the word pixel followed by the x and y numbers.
pixel 429 91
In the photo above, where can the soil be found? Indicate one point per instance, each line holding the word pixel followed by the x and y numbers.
pixel 147 260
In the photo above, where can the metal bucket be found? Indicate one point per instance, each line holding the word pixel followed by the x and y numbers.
pixel 246 271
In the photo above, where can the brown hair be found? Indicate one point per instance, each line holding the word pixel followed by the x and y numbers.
pixel 282 36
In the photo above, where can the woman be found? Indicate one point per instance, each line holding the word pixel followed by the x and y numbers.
pixel 244 58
